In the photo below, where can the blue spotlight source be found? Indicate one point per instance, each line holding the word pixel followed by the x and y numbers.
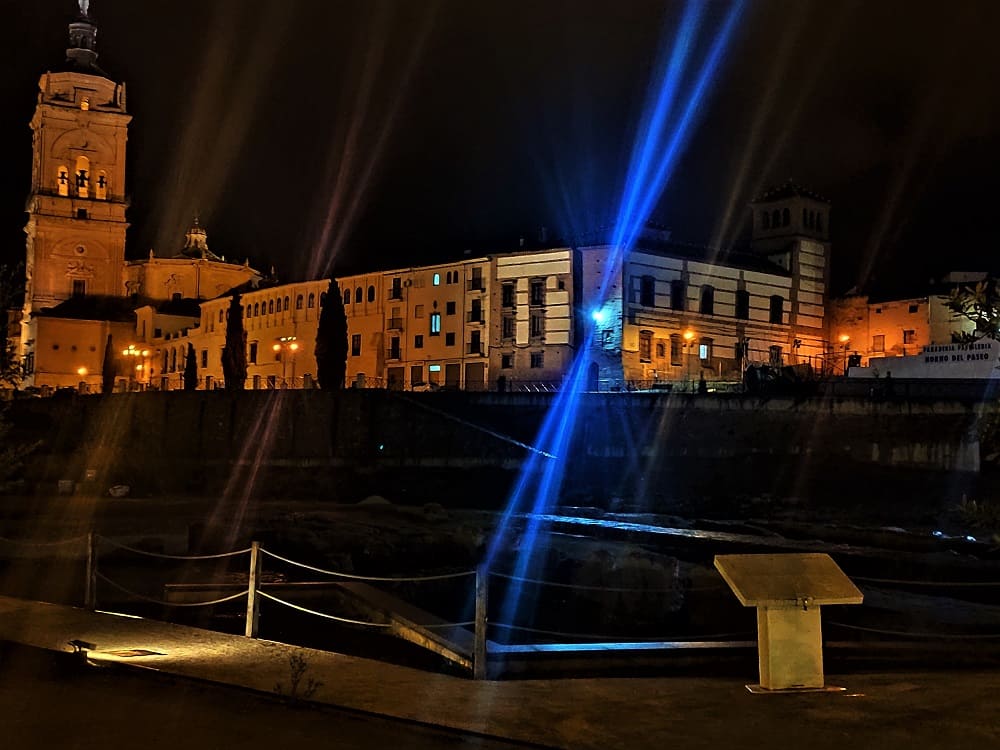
pixel 659 142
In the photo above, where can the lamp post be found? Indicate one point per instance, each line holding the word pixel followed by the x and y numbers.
pixel 846 341
pixel 136 359
pixel 689 342
pixel 289 345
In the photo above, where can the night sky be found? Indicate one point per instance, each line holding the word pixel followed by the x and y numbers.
pixel 409 131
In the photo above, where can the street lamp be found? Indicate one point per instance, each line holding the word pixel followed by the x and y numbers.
pixel 846 341
pixel 134 354
pixel 286 344
pixel 689 341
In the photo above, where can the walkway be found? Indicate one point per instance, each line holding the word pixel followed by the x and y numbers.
pixel 913 710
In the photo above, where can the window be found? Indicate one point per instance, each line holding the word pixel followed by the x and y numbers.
pixel 508 295
pixel 435 324
pixel 204 358
pixel 79 287
pixel 447 278
pixel 270 307
pixel 765 219
pixel 173 360
pixel 394 347
pixel 252 356
pixel 819 222
pixel 677 295
pixel 661 350
pixel 647 291
pixel 101 191
pixel 707 300
pixel 806 218
pixel 476 285
pixel 298 302
pixel 356 345
pixel 396 292
pixel 786 217
pixel 506 361
pixel 449 308
pixel 358 296
pixel 705 350
pixel 416 374
pixel 777 309
pixel 914 308
pixel 286 304
pixel 371 293
pixel 449 339
pixel 676 351
pixel 878 343
pixel 475 342
pixel 775 219
pixel 81 213
pixel 775 356
pixel 507 327
pixel 436 280
pixel 743 304
pixel 537 360
pixel 909 337
pixel 62 181
pixel 256 309
pixel 312 301
pixel 418 341
pixel 645 346
pixel 878 310
pixel 418 311
pixel 83 176
pixel 537 293
pixel 221 313
pixel 476 314
pixel 537 326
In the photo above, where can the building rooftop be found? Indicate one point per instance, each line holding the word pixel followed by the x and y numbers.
pixel 789 189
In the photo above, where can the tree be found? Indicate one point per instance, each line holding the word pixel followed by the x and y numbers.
pixel 109 368
pixel 234 355
pixel 331 341
pixel 980 305
pixel 191 369
pixel 11 293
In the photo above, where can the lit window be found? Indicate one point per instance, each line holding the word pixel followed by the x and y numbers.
pixel 434 368
pixel 435 324
pixel 101 186
pixel 645 346
pixel 437 279
pixel 705 350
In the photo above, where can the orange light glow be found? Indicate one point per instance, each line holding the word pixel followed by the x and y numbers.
pixel 293 346
pixel 688 335
pixel 277 347
pixel 844 338
pixel 82 372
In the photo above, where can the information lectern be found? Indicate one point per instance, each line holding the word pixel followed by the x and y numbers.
pixel 788 590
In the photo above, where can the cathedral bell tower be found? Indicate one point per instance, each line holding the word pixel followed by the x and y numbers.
pixel 76 208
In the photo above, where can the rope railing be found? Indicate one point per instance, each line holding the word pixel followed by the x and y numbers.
pixel 911 634
pixel 164 556
pixel 151 600
pixel 324 615
pixel 380 579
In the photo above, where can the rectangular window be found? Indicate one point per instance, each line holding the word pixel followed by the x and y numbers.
pixel 878 343
pixel 914 308
pixel 537 360
pixel 475 342
pixel 645 346
pixel 79 287
pixel 647 291
pixel 436 279
pixel 677 295
pixel 204 358
pixel 537 325
pixel 508 295
pixel 707 300
pixel 395 292
pixel 418 311
pixel 705 350
pixel 775 356
pixel 394 347
pixel 435 324
pixel 743 304
pixel 418 341
pixel 909 337
pixel 476 284
pixel 449 339
pixel 507 361
pixel 507 327
pixel 537 293
pixel 416 375
pixel 449 308
pixel 252 356
pixel 661 350
pixel 81 213
pixel 356 345
pixel 777 309
pixel 476 315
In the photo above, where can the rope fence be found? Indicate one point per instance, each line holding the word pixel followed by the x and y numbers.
pixel 377 579
pixel 324 615
pixel 58 543
pixel 151 600
pixel 164 556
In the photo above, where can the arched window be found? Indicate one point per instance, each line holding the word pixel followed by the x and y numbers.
pixel 743 304
pixel 775 219
pixel 285 308
pixel 819 222
pixel 786 217
pixel 298 302
pixel 357 296
pixel 777 309
pixel 173 360
pixel 220 315
pixel 270 307
pixel 101 186
pixel 765 219
pixel 312 301
pixel 436 279
pixel 347 296
pixel 707 300
pixel 62 181
pixel 256 310
pixel 371 293
pixel 248 311
pixel 83 176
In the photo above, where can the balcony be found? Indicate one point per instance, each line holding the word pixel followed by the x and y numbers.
pixel 393 354
pixel 396 292
pixel 477 316
pixel 395 324
pixel 477 285
pixel 476 349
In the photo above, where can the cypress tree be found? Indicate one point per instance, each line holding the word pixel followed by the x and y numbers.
pixel 191 369
pixel 331 341
pixel 109 369
pixel 234 354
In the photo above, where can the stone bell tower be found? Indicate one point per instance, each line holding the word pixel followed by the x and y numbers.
pixel 76 208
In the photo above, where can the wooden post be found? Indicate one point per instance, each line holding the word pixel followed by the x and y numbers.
pixel 90 586
pixel 479 654
pixel 253 601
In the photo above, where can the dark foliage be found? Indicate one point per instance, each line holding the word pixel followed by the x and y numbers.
pixel 109 368
pixel 331 341
pixel 234 355
pixel 191 369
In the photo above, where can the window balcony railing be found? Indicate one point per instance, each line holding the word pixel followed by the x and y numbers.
pixel 395 324
pixel 396 292
pixel 477 316
pixel 393 354
pixel 477 285
pixel 476 349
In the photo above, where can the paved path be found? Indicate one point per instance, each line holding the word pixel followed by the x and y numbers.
pixel 913 710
